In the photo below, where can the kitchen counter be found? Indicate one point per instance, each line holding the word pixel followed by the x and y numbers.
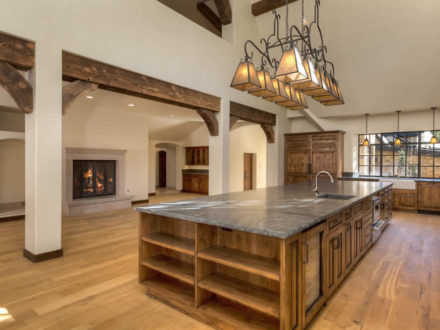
pixel 278 211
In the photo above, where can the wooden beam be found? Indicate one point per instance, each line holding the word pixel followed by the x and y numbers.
pixel 263 6
pixel 252 115
pixel 210 16
pixel 224 11
pixel 18 87
pixel 112 78
pixel 210 121
pixel 17 52
pixel 232 121
pixel 270 134
pixel 74 90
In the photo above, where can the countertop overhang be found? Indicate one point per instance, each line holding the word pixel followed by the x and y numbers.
pixel 279 212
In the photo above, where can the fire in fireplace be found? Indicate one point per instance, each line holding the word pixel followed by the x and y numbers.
pixel 94 178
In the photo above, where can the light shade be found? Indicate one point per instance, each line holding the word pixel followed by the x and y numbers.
pixel 294 99
pixel 280 92
pixel 291 67
pixel 245 77
pixel 366 143
pixel 312 81
pixel 434 140
pixel 322 89
pixel 266 88
pixel 303 102
pixel 397 142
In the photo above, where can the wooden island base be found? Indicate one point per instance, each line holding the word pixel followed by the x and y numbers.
pixel 232 279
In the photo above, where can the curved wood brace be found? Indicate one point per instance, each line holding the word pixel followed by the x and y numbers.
pixel 232 121
pixel 270 134
pixel 210 121
pixel 75 89
pixel 18 87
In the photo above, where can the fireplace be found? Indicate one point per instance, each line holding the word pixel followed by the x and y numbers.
pixel 94 178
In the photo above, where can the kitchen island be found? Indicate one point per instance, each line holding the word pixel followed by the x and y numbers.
pixel 266 258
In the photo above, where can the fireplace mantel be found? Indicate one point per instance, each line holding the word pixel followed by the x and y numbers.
pixel 76 207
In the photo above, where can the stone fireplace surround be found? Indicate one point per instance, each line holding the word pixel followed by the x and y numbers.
pixel 76 207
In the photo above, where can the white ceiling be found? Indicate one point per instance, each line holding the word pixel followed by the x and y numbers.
pixel 165 121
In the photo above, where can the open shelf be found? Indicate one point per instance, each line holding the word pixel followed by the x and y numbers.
pixel 225 314
pixel 176 243
pixel 169 289
pixel 177 269
pixel 251 263
pixel 249 295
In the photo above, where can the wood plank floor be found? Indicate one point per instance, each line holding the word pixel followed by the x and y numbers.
pixel 94 286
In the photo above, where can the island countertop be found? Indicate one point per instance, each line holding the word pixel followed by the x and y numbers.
pixel 277 211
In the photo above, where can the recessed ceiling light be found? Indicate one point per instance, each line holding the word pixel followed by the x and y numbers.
pixel 130 104
pixel 89 96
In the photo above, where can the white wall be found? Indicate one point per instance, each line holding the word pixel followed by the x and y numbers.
pixel 247 139
pixel 113 130
pixel 352 126
pixel 198 138
pixel 12 171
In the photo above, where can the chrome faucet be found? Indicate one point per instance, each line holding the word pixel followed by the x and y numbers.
pixel 316 190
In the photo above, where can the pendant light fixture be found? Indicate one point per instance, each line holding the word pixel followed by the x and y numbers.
pixel 397 141
pixel 366 143
pixel 303 102
pixel 291 67
pixel 280 92
pixel 293 97
pixel 245 77
pixel 267 88
pixel 434 139
pixel 312 81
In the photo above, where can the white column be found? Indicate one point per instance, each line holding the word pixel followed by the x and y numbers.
pixel 275 154
pixel 219 153
pixel 179 166
pixel 44 154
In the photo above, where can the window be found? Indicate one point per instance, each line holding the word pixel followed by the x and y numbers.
pixel 416 157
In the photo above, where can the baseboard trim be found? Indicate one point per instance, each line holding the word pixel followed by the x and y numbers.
pixel 42 256
pixel 142 201
pixel 12 218
pixel 152 194
pixel 428 212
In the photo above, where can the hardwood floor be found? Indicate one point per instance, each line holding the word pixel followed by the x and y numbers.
pixel 395 286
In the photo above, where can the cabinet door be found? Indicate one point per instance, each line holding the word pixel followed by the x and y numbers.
pixel 367 232
pixel 335 243
pixel 290 179
pixel 195 184
pixel 187 182
pixel 358 241
pixel 297 162
pixel 348 246
pixel 204 184
pixel 314 270
pixel 324 161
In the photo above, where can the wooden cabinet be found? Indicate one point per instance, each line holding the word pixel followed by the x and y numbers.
pixel 308 153
pixel 348 246
pixel 386 204
pixel 197 155
pixel 358 246
pixel 404 199
pixel 195 183
pixel 428 196
pixel 314 289
pixel 335 260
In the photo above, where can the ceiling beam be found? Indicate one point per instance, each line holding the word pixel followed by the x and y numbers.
pixel 224 11
pixel 210 120
pixel 210 16
pixel 123 81
pixel 252 115
pixel 75 89
pixel 18 52
pixel 18 87
pixel 263 6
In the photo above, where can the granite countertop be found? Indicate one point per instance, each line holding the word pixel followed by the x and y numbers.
pixel 377 178
pixel 277 211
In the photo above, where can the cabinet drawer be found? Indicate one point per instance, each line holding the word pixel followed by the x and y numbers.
pixel 368 219
pixel 348 214
pixel 334 221
pixel 357 209
pixel 367 206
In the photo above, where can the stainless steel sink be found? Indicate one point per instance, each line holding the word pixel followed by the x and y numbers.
pixel 334 196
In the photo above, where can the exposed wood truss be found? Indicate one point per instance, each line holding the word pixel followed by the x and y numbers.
pixel 210 121
pixel 270 134
pixel 232 121
pixel 265 119
pixel 18 87
pixel 210 16
pixel 263 6
pixel 224 11
pixel 120 80
pixel 17 54
pixel 75 89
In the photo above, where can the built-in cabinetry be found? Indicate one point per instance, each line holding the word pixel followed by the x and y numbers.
pixel 308 153
pixel 404 199
pixel 197 155
pixel 428 195
pixel 195 181
pixel 239 280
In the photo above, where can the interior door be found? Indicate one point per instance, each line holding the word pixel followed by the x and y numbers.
pixel 248 172
pixel 162 169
